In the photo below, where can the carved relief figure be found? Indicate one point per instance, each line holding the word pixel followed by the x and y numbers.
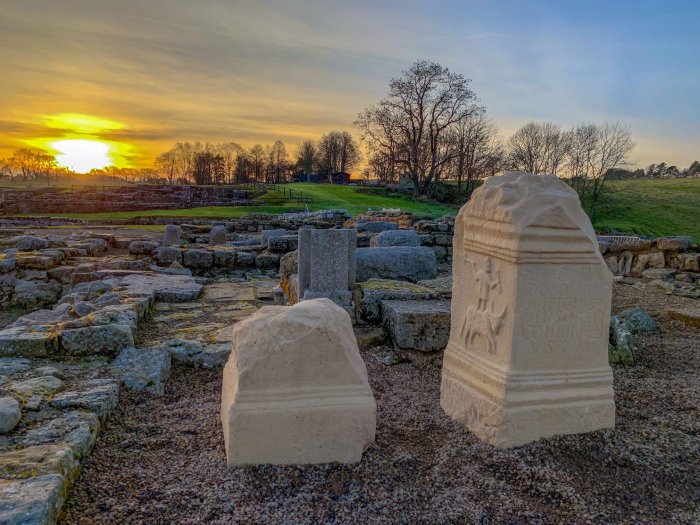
pixel 483 319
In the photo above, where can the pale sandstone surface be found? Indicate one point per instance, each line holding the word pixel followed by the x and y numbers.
pixel 295 388
pixel 527 355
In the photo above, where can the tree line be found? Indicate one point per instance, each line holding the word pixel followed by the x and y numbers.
pixel 230 163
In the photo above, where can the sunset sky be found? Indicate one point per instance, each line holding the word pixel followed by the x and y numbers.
pixel 139 75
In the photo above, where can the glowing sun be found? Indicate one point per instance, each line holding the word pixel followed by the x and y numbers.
pixel 82 155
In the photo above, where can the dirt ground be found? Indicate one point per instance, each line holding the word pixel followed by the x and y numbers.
pixel 161 460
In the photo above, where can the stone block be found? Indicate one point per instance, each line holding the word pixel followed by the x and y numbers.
pixel 142 247
pixel 172 235
pixel 326 260
pixel 266 235
pixel 288 399
pixel 97 340
pixel 218 235
pixel 198 259
pixel 673 244
pixel 374 291
pixel 417 325
pixel 143 368
pixel 690 316
pixel 528 351
pixel 375 227
pixel 166 255
pixel 396 238
pixel 408 263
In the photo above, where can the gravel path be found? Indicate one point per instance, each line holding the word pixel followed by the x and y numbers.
pixel 161 460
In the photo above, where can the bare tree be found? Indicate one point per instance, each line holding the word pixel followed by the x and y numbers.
pixel 257 161
pixel 307 158
pixel 338 152
pixel 413 121
pixel 538 147
pixel 278 162
pixel 478 151
pixel 166 164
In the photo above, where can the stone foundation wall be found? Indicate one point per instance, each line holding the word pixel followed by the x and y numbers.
pixel 123 198
pixel 633 256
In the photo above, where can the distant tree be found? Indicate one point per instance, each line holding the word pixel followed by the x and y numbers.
pixel 257 162
pixel 338 152
pixel 412 123
pixel 538 147
pixel 166 164
pixel 381 166
pixel 307 158
pixel 278 162
pixel 478 151
pixel 204 167
pixel 694 169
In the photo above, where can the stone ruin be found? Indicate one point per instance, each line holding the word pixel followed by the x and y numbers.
pixel 87 292
pixel 528 351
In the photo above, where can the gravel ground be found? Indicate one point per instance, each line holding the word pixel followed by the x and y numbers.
pixel 161 460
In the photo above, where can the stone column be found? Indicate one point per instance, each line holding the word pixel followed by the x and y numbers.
pixel 527 356
pixel 172 235
pixel 218 234
pixel 327 264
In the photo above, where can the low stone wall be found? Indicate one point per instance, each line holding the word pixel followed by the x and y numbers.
pixel 633 256
pixel 122 198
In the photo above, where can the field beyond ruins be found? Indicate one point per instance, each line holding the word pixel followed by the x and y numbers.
pixel 649 207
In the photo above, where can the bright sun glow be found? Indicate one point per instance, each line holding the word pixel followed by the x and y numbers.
pixel 82 155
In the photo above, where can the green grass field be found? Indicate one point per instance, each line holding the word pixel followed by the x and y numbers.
pixel 646 207
pixel 323 197
pixel 652 208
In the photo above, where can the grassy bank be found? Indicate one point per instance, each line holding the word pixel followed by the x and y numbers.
pixel 653 208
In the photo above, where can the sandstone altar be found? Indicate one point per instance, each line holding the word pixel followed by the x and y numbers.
pixel 295 388
pixel 528 351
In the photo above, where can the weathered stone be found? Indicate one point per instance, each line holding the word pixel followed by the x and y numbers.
pixel 22 341
pixel 168 255
pixel 621 345
pixel 182 350
pixel 691 262
pixel 225 258
pixel 287 399
pixel 267 260
pixel 245 259
pixel 659 273
pixel 375 227
pixel 98 395
pixel 418 325
pixel 29 243
pixel 217 235
pixel 266 235
pixel 198 259
pixel 33 501
pixel 36 385
pixel 166 288
pixel 143 369
pixel 690 316
pixel 283 244
pixel 142 247
pixel 374 291
pixel 172 234
pixel 531 303
pixel 82 308
pixel 213 356
pixel 409 263
pixel 674 244
pixel 7 265
pixel 48 371
pixel 396 238
pixel 637 320
pixel 327 265
pixel 14 365
pixel 10 414
pixel 97 340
